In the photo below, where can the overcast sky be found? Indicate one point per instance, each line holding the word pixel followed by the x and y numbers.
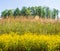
pixel 12 4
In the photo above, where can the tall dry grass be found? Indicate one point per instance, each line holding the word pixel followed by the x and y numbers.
pixel 23 24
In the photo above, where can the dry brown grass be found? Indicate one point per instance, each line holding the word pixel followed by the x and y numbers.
pixel 25 19
pixel 33 25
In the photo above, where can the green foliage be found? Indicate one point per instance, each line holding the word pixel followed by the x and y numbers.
pixel 16 12
pixel 23 11
pixel 43 12
pixel 10 13
pixel 4 13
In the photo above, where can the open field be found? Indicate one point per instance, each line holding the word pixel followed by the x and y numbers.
pixel 22 34
pixel 29 25
pixel 22 25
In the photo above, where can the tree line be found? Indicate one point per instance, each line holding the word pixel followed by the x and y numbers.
pixel 43 12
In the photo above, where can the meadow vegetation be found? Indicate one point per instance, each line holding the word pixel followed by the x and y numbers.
pixel 29 42
pixel 22 25
pixel 33 28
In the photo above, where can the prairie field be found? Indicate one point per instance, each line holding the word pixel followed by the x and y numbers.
pixel 29 25
pixel 29 34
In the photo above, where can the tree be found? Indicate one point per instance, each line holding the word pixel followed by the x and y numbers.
pixel 47 12
pixel 23 11
pixel 28 12
pixel 16 12
pixel 4 13
pixel 33 11
pixel 54 14
pixel 43 12
pixel 39 11
pixel 10 13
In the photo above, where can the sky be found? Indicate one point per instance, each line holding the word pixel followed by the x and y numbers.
pixel 13 4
